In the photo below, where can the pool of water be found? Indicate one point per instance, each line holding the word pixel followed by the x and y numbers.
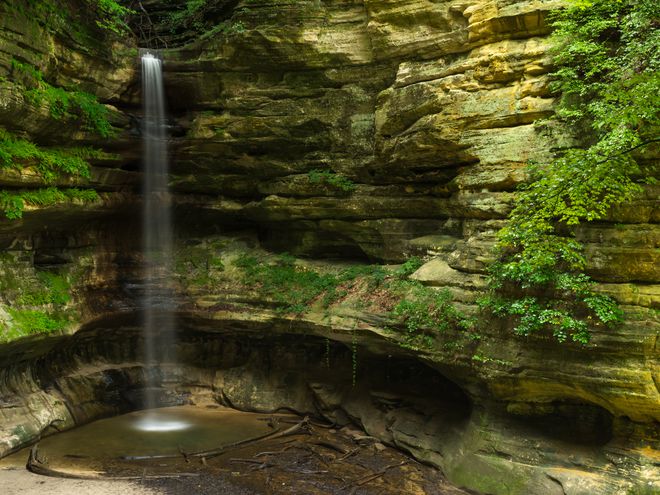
pixel 156 432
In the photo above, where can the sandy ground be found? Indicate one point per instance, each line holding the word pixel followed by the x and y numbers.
pixel 22 482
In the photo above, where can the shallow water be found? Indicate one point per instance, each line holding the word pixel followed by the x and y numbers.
pixel 153 432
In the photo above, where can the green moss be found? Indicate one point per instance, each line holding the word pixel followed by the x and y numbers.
pixel 23 435
pixel 36 301
pixel 53 289
pixel 492 475
pixel 32 73
pixel 29 322
pixel 643 490
pixel 89 22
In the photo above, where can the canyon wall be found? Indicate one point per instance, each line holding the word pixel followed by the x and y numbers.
pixel 344 133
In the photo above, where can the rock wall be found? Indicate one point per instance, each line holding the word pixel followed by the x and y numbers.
pixel 427 107
pixel 354 130
pixel 264 368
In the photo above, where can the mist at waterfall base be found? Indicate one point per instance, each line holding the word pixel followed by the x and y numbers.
pixel 158 315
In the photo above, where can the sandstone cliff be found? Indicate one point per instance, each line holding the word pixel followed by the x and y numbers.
pixel 338 131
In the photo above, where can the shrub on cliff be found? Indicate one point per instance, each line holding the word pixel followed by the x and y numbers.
pixel 606 56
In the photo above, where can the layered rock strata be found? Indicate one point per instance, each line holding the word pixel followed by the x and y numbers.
pixel 363 130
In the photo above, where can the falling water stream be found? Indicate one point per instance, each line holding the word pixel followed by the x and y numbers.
pixel 158 316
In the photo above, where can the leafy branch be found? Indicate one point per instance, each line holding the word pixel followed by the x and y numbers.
pixel 606 76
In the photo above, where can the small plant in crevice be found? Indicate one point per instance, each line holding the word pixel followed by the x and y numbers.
pixel 410 266
pixel 423 313
pixel 332 179
pixel 606 75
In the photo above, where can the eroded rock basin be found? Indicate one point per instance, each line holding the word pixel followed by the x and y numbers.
pixel 213 450
pixel 406 405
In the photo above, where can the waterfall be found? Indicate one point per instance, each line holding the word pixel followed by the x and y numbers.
pixel 158 315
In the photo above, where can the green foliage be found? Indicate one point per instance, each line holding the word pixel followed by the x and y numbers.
pixel 607 59
pixel 53 289
pixel 190 16
pixel 374 275
pixel 330 178
pixel 36 302
pixel 410 266
pixel 64 104
pixel 13 203
pixel 111 16
pixel 424 312
pixel 78 19
pixel 32 73
pixel 50 164
pixel 47 12
pixel 30 321
pixel 58 287
pixel 70 105
pixel 196 15
pixel 292 286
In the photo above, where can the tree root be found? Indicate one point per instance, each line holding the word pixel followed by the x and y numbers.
pixel 303 425
pixel 38 465
pixel 331 446
pixel 370 477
